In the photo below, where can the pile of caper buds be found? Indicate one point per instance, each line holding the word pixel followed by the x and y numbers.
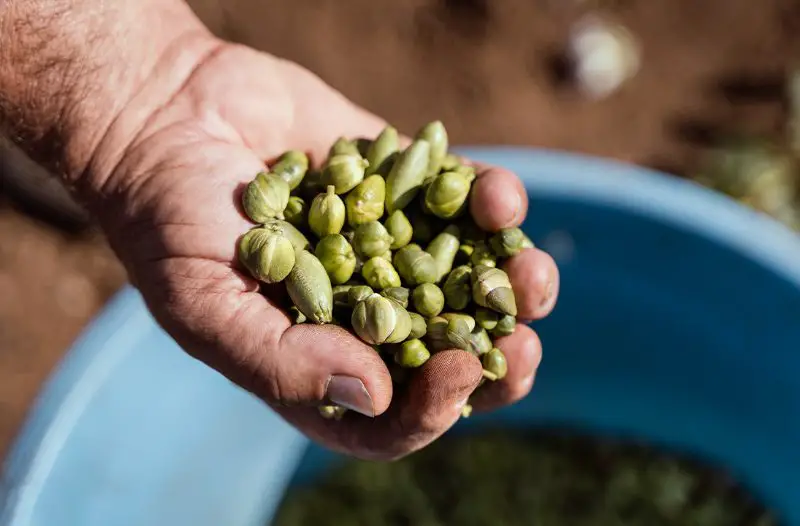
pixel 379 240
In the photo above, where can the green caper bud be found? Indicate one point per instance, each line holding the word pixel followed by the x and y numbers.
pixel 526 241
pixel 358 293
pixel 372 239
pixel 483 255
pixel 380 274
pixel 365 202
pixel 450 331
pixel 297 316
pixel 310 289
pixel 379 320
pixel 265 197
pixel 450 163
pixel 444 248
pixel 344 172
pixel 505 326
pixel 491 288
pixel 466 411
pixel 418 325
pixel 267 256
pixel 341 295
pixel 487 318
pixel 436 135
pixel 466 171
pixel 291 167
pixel 386 144
pixel 337 257
pixel 479 342
pixel 326 214
pixel 428 300
pixel 457 287
pixel 446 196
pixel 495 363
pixel 399 227
pixel 296 212
pixel 285 229
pixel 412 353
pixel 343 146
pixel 386 255
pixel 407 175
pixel 508 242
pixel 415 265
pixel 398 294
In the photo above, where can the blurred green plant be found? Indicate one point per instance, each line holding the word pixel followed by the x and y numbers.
pixel 759 173
pixel 525 480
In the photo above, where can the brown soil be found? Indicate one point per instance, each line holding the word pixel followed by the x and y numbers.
pixel 491 70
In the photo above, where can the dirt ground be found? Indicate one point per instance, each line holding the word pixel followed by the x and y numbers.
pixel 490 70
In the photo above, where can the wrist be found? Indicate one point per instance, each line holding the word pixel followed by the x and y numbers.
pixel 79 78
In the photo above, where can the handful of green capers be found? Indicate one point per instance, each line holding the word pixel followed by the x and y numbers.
pixel 395 256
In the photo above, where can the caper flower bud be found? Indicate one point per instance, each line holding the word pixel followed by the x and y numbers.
pixel 479 341
pixel 415 265
pixel 265 197
pixel 343 146
pixel 344 172
pixel 508 242
pixel 505 327
pixel 483 255
pixel 407 175
pixel 296 212
pixel 380 274
pixel 450 331
pixel 418 325
pixel 291 167
pixel 327 213
pixel 412 353
pixel 428 300
pixel 358 293
pixel 487 318
pixel 436 135
pixel 495 365
pixel 457 288
pixel 379 320
pixel 310 288
pixel 399 227
pixel 337 257
pixel 365 202
pixel 267 256
pixel 284 229
pixel 381 150
pixel 398 294
pixel 372 239
pixel 491 288
pixel 446 196
pixel 444 248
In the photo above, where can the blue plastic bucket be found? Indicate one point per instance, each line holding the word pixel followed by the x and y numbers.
pixel 688 310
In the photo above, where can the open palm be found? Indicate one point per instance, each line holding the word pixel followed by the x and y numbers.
pixel 177 221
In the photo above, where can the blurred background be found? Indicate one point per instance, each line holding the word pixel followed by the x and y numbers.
pixel 695 89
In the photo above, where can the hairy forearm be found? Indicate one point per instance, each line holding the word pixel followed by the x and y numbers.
pixel 68 68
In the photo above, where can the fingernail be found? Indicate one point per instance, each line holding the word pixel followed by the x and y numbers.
pixel 350 393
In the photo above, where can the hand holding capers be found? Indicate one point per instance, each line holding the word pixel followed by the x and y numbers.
pixel 387 249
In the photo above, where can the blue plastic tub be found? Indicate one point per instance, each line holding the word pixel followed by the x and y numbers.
pixel 679 322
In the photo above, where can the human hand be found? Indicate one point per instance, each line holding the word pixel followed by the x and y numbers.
pixel 165 181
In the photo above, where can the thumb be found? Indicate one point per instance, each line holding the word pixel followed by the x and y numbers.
pixel 248 339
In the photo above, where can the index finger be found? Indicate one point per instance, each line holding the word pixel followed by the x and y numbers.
pixel 498 199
